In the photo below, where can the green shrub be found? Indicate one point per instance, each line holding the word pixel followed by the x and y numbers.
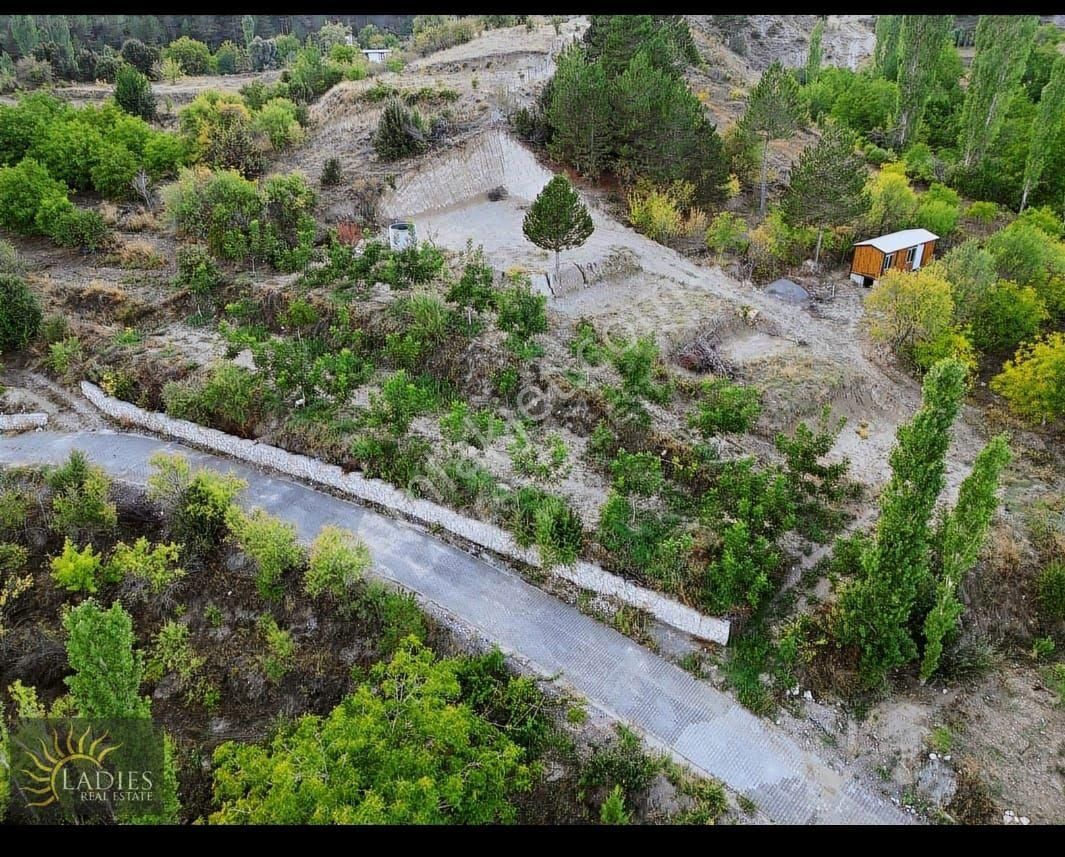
pixel 196 504
pixel 157 566
pixel 331 174
pixel 77 570
pixel 396 615
pixel 82 511
pixel 475 287
pixel 194 56
pixel 636 362
pixel 982 212
pixel 20 313
pixel 133 93
pixel 337 561
pixel 270 542
pixel 1006 315
pixel 26 189
pixel 277 121
pixel 107 670
pixel 1052 590
pixel 727 233
pixel 172 654
pixel 539 518
pixel 623 763
pixel 401 132
pixel 521 312
pixel 280 655
pixel 725 407
pixel 114 171
pixel 15 507
pixel 196 270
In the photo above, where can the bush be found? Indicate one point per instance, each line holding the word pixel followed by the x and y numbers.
pixel 229 59
pixel 196 270
pixel 907 310
pixel 435 32
pixel 156 567
pixel 982 212
pixel 68 226
pixel 337 561
pixel 1005 316
pixel 139 55
pixel 114 171
pixel 230 399
pixel 331 175
pixel 133 93
pixel 725 407
pixel 25 190
pixel 270 542
pixel 401 132
pixel 81 511
pixel 20 313
pixel 194 56
pixel 196 504
pixel 1033 382
pixel 277 121
pixel 539 518
pixel 280 652
pixel 621 763
pixel 654 213
pixel 521 312
pixel 920 163
pixel 1052 590
pixel 727 234
pixel 77 570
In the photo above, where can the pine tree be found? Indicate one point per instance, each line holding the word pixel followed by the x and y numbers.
pixel 581 113
pixel 1045 127
pixel 401 132
pixel 1003 43
pixel 775 110
pixel 921 40
pixel 24 34
pixel 813 56
pixel 959 540
pixel 558 220
pixel 613 809
pixel 876 609
pixel 247 29
pixel 827 184
pixel 886 52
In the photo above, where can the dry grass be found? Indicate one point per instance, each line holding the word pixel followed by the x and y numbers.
pixel 142 220
pixel 109 212
pixel 136 255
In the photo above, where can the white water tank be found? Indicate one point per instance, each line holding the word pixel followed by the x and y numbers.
pixel 401 235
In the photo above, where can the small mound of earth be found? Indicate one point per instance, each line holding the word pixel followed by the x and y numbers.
pixel 787 291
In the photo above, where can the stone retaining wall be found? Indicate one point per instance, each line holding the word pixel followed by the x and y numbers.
pixel 489 536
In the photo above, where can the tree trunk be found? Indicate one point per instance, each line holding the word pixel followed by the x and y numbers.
pixel 765 168
pixel 558 272
pixel 1024 197
pixel 817 251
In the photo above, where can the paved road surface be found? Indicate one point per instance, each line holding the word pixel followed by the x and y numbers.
pixel 700 724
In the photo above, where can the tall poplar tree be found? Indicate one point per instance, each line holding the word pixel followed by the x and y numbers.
pixel 886 52
pixel 921 40
pixel 813 56
pixel 1003 43
pixel 775 110
pixel 1045 128
pixel 827 185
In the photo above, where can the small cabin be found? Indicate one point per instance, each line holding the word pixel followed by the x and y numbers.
pixel 904 251
pixel 376 55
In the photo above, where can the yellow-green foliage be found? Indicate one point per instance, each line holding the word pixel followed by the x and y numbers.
pixel 77 570
pixel 338 559
pixel 1033 382
pixel 270 542
pixel 655 213
pixel 156 566
pixel 908 310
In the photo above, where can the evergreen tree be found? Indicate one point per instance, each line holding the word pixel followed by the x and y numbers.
pixel 775 111
pixel 581 113
pixel 247 29
pixel 886 52
pixel 558 220
pixel 613 809
pixel 959 540
pixel 876 609
pixel 133 93
pixel 1045 128
pixel 827 184
pixel 400 133
pixel 813 56
pixel 920 44
pixel 24 34
pixel 1003 43
pixel 614 40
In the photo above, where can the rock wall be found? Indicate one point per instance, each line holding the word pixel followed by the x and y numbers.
pixel 467 171
pixel 379 493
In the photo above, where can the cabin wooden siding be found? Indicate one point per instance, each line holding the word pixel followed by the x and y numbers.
pixel 868 261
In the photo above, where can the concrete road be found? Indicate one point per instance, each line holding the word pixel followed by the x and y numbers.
pixel 697 723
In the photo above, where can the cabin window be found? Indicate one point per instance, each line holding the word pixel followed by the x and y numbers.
pixel 911 254
pixel 889 260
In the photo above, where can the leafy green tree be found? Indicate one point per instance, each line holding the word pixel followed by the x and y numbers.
pixel 876 608
pixel 827 186
pixel 139 55
pixel 133 93
pixel 1026 254
pixel 886 52
pixel 1003 43
pixel 909 309
pixel 1005 316
pixel 920 41
pixel 1047 122
pixel 26 190
pixel 970 270
pixel 581 113
pixel 958 541
pixel 402 748
pixel 813 54
pixel 1033 382
pixel 20 313
pixel 558 219
pixel 194 56
pixel 247 29
pixel 893 202
pixel 775 111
